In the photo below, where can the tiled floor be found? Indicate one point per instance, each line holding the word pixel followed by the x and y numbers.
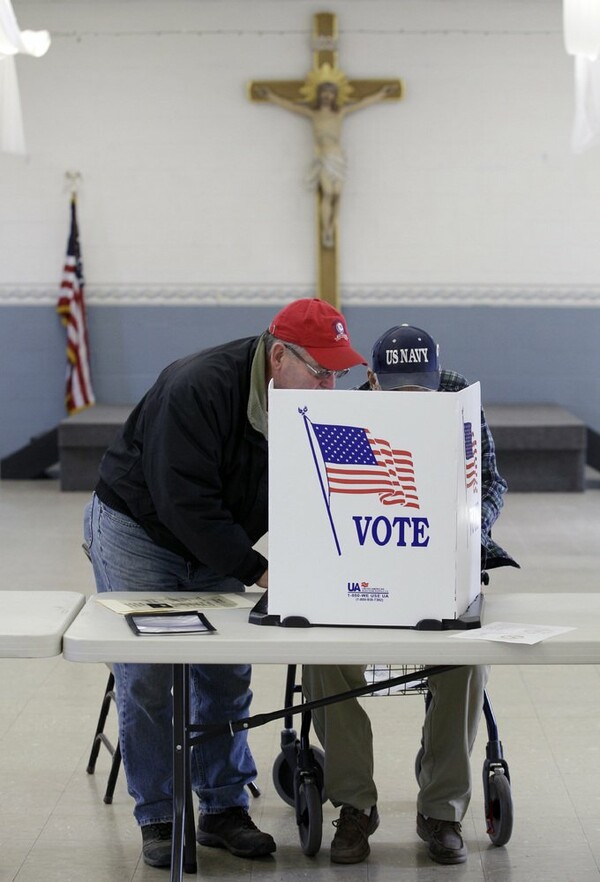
pixel 54 825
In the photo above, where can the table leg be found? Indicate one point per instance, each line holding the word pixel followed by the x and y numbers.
pixel 189 827
pixel 184 845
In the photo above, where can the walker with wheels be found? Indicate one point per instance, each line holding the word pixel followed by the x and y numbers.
pixel 298 770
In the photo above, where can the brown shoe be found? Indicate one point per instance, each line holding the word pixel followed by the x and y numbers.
pixel 351 841
pixel 444 840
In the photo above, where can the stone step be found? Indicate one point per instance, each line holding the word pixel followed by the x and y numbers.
pixel 82 440
pixel 539 447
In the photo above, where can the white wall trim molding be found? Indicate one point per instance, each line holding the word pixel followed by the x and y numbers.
pixel 570 296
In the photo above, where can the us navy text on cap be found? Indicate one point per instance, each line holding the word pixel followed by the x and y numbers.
pixel 407 356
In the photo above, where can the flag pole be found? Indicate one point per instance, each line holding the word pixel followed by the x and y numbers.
pixel 325 499
pixel 73 179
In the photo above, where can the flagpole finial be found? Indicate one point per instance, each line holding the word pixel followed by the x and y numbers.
pixel 73 178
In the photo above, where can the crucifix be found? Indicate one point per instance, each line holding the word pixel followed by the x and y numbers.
pixel 325 97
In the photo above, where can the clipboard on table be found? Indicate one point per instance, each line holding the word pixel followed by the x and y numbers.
pixel 164 623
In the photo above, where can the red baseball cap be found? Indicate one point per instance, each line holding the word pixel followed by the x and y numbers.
pixel 319 329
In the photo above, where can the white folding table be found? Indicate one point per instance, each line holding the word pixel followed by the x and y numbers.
pixel 32 623
pixel 101 635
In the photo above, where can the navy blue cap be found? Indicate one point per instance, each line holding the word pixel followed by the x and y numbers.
pixel 406 356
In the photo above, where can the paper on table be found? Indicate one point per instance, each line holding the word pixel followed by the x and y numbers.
pixel 178 602
pixel 512 632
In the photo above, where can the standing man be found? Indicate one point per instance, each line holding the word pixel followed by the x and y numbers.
pixel 180 502
pixel 453 715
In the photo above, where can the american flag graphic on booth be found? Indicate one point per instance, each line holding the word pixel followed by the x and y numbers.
pixel 358 463
pixel 470 457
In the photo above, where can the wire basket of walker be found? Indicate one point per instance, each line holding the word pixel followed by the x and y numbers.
pixel 376 674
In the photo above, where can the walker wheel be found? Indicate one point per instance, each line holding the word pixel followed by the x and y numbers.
pixel 283 775
pixel 499 810
pixel 309 813
pixel 283 779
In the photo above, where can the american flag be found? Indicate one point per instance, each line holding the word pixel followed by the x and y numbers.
pixel 470 457
pixel 71 308
pixel 357 463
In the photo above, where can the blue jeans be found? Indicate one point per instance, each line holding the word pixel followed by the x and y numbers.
pixel 126 559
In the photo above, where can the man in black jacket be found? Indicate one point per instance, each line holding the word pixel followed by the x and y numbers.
pixel 180 502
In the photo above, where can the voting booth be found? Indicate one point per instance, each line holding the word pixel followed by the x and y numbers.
pixel 374 506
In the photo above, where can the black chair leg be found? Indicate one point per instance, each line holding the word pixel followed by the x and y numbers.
pixel 100 738
pixel 114 774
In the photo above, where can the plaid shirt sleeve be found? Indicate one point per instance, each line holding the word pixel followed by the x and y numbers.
pixel 493 485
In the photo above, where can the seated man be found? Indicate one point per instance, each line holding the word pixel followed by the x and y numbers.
pixel 452 718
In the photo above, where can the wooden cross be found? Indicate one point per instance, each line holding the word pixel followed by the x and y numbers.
pixel 325 97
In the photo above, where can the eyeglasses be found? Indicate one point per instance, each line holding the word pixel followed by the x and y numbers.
pixel 318 372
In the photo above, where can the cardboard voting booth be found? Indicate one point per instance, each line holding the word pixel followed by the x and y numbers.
pixel 374 505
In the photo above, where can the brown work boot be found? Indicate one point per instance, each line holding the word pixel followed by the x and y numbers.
pixel 444 840
pixel 351 841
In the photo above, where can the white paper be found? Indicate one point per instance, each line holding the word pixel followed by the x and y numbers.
pixel 512 632
pixel 171 602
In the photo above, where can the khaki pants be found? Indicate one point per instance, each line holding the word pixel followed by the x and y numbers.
pixel 449 732
pixel 344 730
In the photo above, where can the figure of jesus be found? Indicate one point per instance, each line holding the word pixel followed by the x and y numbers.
pixel 328 101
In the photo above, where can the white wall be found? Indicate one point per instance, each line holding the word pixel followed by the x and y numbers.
pixel 469 181
pixel 464 194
